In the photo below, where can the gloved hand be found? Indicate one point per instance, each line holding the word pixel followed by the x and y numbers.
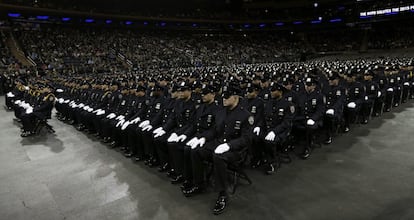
pixel 147 128
pixel 351 105
pixel 10 95
pixel 17 102
pixel 101 112
pixel 181 138
pixel 201 142
pixel 192 143
pixel 172 138
pixel 406 84
pixel 59 90
pixel 379 94
pixel 81 105
pixel 270 136
pixel 90 109
pixel 222 148
pixel 366 98
pixel 330 112
pixel 390 90
pixel 120 117
pixel 310 122
pixel 136 120
pixel 144 123
pixel 29 110
pixel 120 123
pixel 125 125
pixel 159 133
pixel 256 131
pixel 66 101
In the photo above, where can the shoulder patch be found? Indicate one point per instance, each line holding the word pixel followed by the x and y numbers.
pixel 251 120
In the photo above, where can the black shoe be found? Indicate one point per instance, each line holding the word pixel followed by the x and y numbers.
pixel 328 141
pixel 256 163
pixel 192 191
pixel 186 186
pixel 112 144
pixel 221 205
pixel 128 154
pixel 153 163
pixel 364 122
pixel 270 169
pixel 164 168
pixel 25 134
pixel 171 174
pixel 346 130
pixel 137 158
pixel 306 153
pixel 106 140
pixel 177 180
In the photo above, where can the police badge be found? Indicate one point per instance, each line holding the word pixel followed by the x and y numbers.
pixel 251 120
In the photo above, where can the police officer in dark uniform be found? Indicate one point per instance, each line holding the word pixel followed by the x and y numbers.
pixel 335 102
pixel 205 118
pixel 310 110
pixel 255 105
pixel 371 94
pixel 278 116
pixel 222 145
pixel 355 98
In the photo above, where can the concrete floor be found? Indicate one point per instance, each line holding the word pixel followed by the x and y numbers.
pixel 366 174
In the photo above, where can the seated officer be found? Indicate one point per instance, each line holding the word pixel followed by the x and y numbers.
pixel 355 98
pixel 278 125
pixel 222 145
pixel 310 110
pixel 335 101
pixel 205 118
pixel 41 111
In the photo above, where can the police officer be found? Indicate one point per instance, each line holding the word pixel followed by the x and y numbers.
pixel 222 145
pixel 371 94
pixel 335 101
pixel 278 116
pixel 355 98
pixel 205 118
pixel 309 115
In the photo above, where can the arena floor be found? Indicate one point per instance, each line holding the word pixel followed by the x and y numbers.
pixel 366 174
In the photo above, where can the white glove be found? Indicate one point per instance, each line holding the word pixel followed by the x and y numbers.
pixel 96 111
pixel 147 128
pixel 366 98
pixel 172 138
pixel 17 102
pixel 59 90
pixel 157 130
pixel 126 124
pixel 111 116
pixel 310 122
pixel 81 105
pixel 29 110
pixel 222 148
pixel 120 123
pixel 406 84
pixel 351 105
pixel 10 95
pixel 144 123
pixel 86 108
pixel 181 138
pixel 136 120
pixel 66 101
pixel 256 130
pixel 379 94
pixel 192 143
pixel 101 112
pixel 159 133
pixel 270 136
pixel 330 112
pixel 390 90
pixel 201 142
pixel 120 117
pixel 90 109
